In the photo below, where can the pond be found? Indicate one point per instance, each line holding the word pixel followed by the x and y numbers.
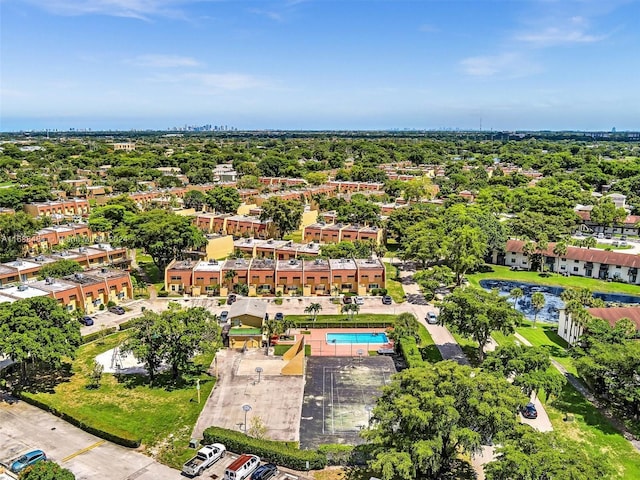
pixel 553 302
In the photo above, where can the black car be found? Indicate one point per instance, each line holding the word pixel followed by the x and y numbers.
pixel 265 472
pixel 529 411
pixel 386 300
pixel 279 317
pixel 87 321
pixel 117 310
pixel 231 298
pixel 347 300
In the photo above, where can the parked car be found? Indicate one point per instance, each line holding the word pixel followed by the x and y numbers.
pixel 231 298
pixel 387 300
pixel 608 236
pixel 206 456
pixel 529 411
pixel 601 235
pixel 117 310
pixel 224 316
pixel 431 318
pixel 265 472
pixel 87 321
pixel 623 237
pixel 347 300
pixel 279 317
pixel 26 460
pixel 242 467
pixel 359 301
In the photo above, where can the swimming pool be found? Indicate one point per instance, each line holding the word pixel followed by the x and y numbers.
pixel 359 338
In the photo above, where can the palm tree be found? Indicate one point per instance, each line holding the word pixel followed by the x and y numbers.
pixel 560 250
pixel 335 291
pixel 351 309
pixel 528 248
pixel 516 293
pixel 537 301
pixel 228 277
pixel 590 242
pixel 313 310
pixel 287 324
pixel 271 327
pixel 541 246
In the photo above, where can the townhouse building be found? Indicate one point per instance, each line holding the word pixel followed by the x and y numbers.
pixel 269 276
pixel 582 262
pixel 338 232
pixel 67 208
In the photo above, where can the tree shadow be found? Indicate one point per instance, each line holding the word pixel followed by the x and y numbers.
pixel 570 401
pixel 165 380
pixel 430 353
pixel 42 378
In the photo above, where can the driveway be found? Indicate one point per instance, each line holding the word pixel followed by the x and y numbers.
pixel 24 427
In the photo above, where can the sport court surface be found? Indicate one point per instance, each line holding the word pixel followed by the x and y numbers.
pixel 337 394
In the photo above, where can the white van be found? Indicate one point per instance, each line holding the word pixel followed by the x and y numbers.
pixel 242 467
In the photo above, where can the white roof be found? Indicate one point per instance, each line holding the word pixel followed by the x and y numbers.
pixel 24 291
pixel 248 306
pixel 208 266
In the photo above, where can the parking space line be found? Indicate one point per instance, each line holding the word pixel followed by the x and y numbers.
pixel 80 452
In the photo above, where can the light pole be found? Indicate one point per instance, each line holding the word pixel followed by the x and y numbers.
pixel 368 408
pixel 258 371
pixel 360 353
pixel 247 409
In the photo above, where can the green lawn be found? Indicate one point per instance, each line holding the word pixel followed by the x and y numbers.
pixel 394 287
pixel 502 339
pixel 604 246
pixel 129 407
pixel 545 336
pixel 504 273
pixel 593 432
pixel 427 346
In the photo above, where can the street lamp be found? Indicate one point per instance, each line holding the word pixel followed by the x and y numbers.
pixel 247 409
pixel 368 408
pixel 360 353
pixel 259 371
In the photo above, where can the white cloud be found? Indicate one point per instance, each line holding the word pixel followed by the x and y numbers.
pixel 573 31
pixel 276 16
pixel 212 82
pixel 140 9
pixel 164 61
pixel 509 65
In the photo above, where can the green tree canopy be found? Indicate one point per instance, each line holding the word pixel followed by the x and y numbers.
pixel 15 230
pixel 60 268
pixel 224 199
pixel 46 471
pixel 475 313
pixel 285 214
pixel 162 234
pixel 37 331
pixel 426 417
pixel 533 455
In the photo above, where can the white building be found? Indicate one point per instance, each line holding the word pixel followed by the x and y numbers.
pixel 571 331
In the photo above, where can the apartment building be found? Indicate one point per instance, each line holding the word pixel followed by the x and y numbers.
pixel 571 331
pixel 338 232
pixel 583 262
pixel 72 207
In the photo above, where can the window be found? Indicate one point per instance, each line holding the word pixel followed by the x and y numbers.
pixel 374 285
pixel 513 260
pixel 347 286
pixel 618 266
pixel 575 269
pixel 563 259
pixel 576 261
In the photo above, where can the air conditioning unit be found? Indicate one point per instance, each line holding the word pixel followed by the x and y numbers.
pixel 48 281
pixel 78 276
pixel 22 288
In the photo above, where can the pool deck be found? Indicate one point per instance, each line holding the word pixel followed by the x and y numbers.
pixel 320 348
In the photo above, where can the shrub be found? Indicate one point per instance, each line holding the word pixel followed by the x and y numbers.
pixel 286 454
pixel 163 293
pixel 336 453
pixel 278 301
pixel 111 303
pixel 410 352
pixel 97 335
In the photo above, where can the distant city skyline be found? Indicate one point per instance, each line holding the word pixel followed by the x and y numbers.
pixel 320 64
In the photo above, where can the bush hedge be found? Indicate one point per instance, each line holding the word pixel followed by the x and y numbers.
pixel 128 324
pixel 120 440
pixel 345 323
pixel 99 334
pixel 336 453
pixel 286 454
pixel 410 352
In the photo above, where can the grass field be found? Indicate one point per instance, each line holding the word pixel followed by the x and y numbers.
pixel 546 336
pixel 394 287
pixel 359 320
pixel 129 407
pixel 294 236
pixel 593 432
pixel 604 246
pixel 427 346
pixel 505 273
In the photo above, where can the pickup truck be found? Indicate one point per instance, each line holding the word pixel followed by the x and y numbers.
pixel 206 456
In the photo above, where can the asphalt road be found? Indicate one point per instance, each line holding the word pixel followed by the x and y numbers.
pixel 24 427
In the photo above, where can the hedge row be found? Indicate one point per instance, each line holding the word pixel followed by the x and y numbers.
pixel 346 323
pixel 125 442
pixel 99 334
pixel 337 453
pixel 411 352
pixel 128 324
pixel 282 453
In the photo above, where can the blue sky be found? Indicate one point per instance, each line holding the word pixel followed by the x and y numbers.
pixel 320 64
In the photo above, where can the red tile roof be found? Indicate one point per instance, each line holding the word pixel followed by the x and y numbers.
pixel 584 254
pixel 614 314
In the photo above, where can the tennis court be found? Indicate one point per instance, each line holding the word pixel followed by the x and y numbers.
pixel 338 396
